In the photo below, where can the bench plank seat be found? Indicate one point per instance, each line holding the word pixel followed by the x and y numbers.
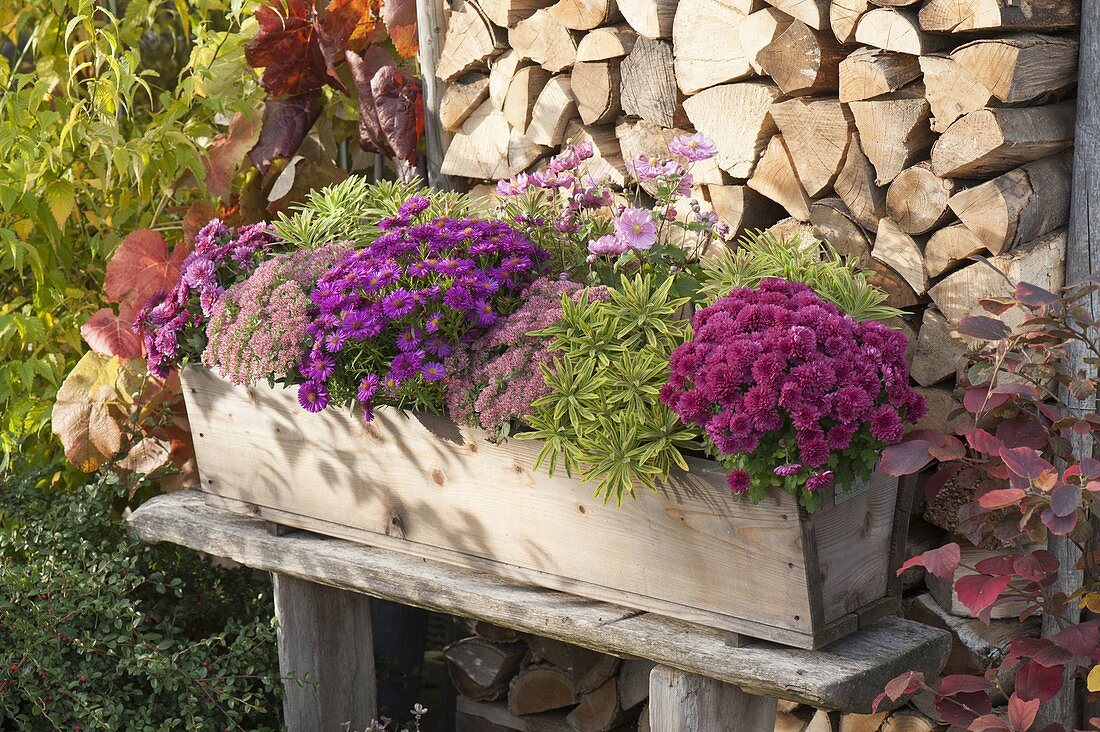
pixel 845 675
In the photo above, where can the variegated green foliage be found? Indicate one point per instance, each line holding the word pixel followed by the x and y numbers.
pixel 105 109
pixel 603 420
pixel 761 255
pixel 351 210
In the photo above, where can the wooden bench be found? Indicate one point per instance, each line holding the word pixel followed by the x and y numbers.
pixel 706 680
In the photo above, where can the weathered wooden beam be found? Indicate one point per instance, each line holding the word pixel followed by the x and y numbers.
pixel 683 702
pixel 325 643
pixel 845 676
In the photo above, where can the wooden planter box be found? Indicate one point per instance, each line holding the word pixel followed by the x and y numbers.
pixel 419 484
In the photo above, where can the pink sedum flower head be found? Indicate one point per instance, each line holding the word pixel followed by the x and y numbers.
pixel 635 228
pixel 607 245
pixel 693 147
pixel 791 392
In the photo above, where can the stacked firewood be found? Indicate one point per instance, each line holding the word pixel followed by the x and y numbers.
pixel 910 137
pixel 525 682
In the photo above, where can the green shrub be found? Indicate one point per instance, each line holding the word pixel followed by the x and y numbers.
pixel 100 631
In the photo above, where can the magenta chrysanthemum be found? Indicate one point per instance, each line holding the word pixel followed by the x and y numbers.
pixel 777 376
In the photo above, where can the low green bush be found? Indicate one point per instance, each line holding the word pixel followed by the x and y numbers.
pixel 100 631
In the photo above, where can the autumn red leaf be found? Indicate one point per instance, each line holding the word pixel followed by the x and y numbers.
pixel 979 591
pixel 228 149
pixel 400 105
pixel 983 328
pixel 286 124
pixel 1021 714
pixel 962 708
pixel 1035 681
pixel 1058 525
pixel 1002 564
pixel 962 683
pixel 400 19
pixel 1065 500
pixel 288 50
pixel 1001 498
pixel 111 334
pixel 140 266
pixel 347 23
pixel 905 683
pixel 983 441
pixel 1025 461
pixel 1080 640
pixel 363 67
pixel 1034 296
pixel 942 561
pixel 905 458
pixel 1036 565
pixel 988 723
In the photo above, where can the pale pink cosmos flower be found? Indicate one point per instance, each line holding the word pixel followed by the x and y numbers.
pixel 513 186
pixel 606 245
pixel 693 147
pixel 636 229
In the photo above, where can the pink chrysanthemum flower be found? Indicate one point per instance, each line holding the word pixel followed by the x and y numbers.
pixel 776 370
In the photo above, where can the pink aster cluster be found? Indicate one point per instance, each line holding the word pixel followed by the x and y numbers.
pixel 776 372
pixel 171 322
pixel 497 377
pixel 258 328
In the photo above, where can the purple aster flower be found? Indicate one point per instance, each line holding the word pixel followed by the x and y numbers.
pixel 318 366
pixel 414 206
pixel 367 387
pixel 433 371
pixel 635 228
pixel 405 365
pixel 313 396
pixel 409 340
pixel 438 346
pixel 398 303
pixel 486 316
pixel 431 325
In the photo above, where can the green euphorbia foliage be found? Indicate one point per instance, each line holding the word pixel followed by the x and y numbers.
pixel 760 255
pixel 603 419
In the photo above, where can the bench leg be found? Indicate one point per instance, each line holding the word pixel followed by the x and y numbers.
pixel 683 702
pixel 325 638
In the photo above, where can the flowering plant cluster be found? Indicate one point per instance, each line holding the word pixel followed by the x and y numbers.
pixel 385 317
pixel 493 380
pixel 791 392
pixel 600 236
pixel 170 324
pixel 258 328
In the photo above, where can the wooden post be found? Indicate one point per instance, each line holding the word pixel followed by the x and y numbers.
pixel 431 28
pixel 326 656
pixel 1082 262
pixel 683 702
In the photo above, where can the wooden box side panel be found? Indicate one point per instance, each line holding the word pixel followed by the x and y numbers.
pixel 423 481
pixel 850 544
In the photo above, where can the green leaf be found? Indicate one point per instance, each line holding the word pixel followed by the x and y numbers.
pixel 61 198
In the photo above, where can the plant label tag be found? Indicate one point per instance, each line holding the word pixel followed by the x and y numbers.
pixel 842 494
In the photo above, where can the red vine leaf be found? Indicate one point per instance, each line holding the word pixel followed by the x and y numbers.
pixel 112 334
pixel 1001 498
pixel 400 19
pixel 1034 296
pixel 140 266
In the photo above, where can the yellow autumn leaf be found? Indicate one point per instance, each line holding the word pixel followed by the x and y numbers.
pixel 1091 601
pixel 61 198
pixel 1094 679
